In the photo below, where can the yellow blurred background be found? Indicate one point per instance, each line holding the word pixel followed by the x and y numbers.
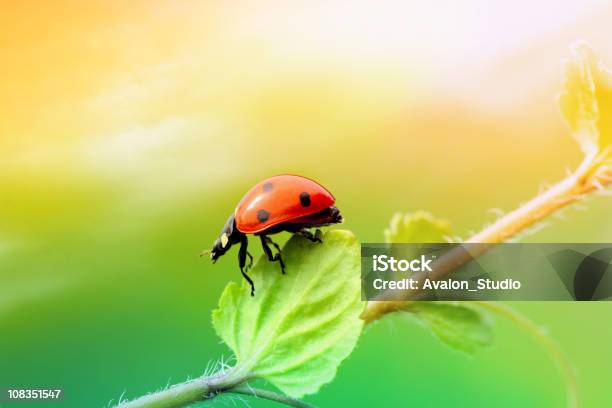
pixel 129 131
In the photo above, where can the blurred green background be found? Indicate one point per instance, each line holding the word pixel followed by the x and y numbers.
pixel 130 132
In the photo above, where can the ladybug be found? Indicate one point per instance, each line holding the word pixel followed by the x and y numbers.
pixel 280 203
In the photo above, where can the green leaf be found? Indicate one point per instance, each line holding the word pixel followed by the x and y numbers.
pixel 586 101
pixel 299 326
pixel 459 326
pixel 419 227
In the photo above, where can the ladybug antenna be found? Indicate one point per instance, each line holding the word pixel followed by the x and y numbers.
pixel 206 253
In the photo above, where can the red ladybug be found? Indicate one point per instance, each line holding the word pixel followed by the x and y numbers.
pixel 281 203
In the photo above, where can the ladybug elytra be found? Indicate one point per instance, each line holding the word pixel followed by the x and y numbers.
pixel 281 203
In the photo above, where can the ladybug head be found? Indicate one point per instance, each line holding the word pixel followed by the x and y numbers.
pixel 228 237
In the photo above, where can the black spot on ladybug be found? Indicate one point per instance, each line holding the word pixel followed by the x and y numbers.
pixel 305 199
pixel 263 215
pixel 267 187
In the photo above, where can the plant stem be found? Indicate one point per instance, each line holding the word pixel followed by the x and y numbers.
pixel 592 175
pixel 553 348
pixel 189 392
pixel 208 387
pixel 270 395
pixel 176 396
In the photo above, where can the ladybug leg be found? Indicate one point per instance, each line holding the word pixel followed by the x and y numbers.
pixel 310 236
pixel 265 240
pixel 242 255
pixel 248 254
